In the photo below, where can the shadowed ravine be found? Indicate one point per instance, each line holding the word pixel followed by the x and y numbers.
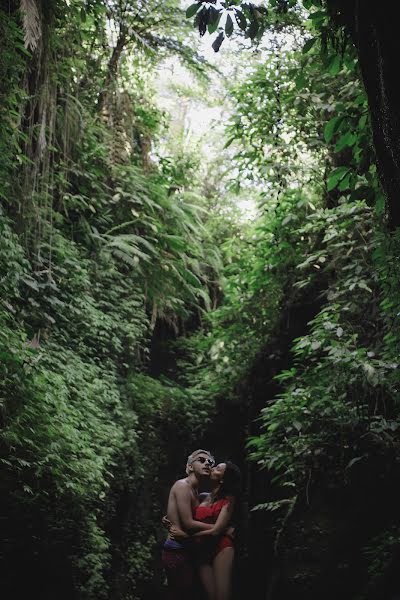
pixel 199 247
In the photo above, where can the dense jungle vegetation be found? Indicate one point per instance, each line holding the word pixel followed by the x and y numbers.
pixel 162 291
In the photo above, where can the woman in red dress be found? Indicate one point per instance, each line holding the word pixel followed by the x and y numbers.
pixel 214 548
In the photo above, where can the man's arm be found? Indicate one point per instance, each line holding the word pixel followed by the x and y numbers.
pixel 183 498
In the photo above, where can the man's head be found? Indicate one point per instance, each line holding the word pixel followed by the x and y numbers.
pixel 200 463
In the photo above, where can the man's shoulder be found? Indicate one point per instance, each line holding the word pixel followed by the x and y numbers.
pixel 180 484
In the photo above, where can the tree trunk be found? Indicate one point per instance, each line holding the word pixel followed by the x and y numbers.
pixel 373 27
pixel 112 69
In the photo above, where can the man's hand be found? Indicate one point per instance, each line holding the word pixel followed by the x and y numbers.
pixel 230 532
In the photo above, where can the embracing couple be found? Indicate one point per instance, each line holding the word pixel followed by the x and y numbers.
pixel 201 526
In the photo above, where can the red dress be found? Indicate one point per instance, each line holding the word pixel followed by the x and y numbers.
pixel 208 547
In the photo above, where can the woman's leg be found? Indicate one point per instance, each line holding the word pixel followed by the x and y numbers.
pixel 207 579
pixel 222 568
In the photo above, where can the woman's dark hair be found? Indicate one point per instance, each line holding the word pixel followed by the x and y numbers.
pixel 231 482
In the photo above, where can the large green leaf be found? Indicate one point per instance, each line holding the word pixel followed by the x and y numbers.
pixel 331 127
pixel 192 9
pixel 336 176
pixel 229 25
pixel 308 45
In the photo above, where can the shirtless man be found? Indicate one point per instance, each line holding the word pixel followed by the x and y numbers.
pixel 182 501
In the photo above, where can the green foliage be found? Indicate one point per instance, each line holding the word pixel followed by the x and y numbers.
pixel 381 554
pixel 256 282
pixel 103 236
pixel 99 240
pixel 318 420
pixel 12 66
pixel 250 20
pixel 301 119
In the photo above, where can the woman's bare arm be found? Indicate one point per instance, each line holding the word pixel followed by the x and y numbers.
pixel 221 524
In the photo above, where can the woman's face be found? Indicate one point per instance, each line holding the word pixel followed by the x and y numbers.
pixel 217 473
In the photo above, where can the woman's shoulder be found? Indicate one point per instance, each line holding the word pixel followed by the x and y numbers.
pixel 228 499
pixel 224 501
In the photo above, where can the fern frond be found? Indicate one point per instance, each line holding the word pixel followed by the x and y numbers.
pixel 130 241
pixel 118 245
pixel 126 258
pixel 31 23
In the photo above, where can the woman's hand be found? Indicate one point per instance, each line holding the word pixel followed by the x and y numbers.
pixel 230 532
pixel 177 534
pixel 166 522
